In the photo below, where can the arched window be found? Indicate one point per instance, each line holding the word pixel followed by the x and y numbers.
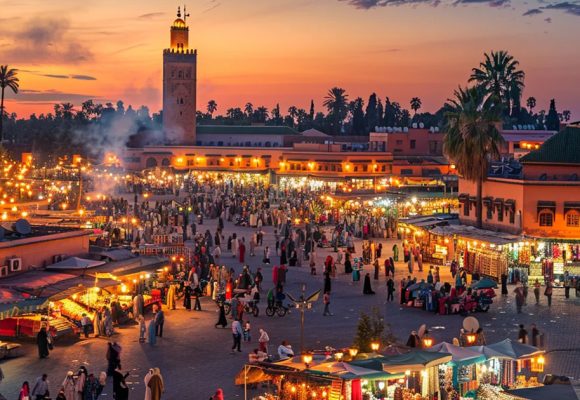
pixel 165 162
pixel 180 74
pixel 573 218
pixel 150 163
pixel 546 218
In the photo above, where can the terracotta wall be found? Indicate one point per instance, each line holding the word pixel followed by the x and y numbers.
pixel 37 252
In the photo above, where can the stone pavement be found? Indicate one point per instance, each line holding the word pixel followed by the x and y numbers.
pixel 195 357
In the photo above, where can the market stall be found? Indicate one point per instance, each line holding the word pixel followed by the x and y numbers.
pixel 512 364
pixel 461 373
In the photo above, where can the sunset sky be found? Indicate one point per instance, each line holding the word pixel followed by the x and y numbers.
pixel 286 51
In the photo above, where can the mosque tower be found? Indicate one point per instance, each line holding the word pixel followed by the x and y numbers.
pixel 179 85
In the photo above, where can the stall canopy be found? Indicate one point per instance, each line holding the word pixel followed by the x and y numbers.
pixel 414 361
pixel 75 263
pixel 514 350
pixel 297 363
pixel 560 392
pixel 348 371
pixel 484 283
pixel 460 356
pixel 470 232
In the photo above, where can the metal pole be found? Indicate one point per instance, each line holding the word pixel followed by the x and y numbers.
pixel 302 328
pixel 245 382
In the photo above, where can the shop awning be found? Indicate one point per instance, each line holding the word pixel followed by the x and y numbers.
pixel 546 204
pixel 414 361
pixel 348 371
pixel 571 205
pixel 460 356
pixel 515 350
pixel 472 233
pixel 75 263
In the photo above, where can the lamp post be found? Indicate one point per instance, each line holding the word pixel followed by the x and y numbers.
pixel 375 346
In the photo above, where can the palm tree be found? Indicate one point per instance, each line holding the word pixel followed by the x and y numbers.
pixel 499 75
pixel 531 103
pixel 67 110
pixel 211 107
pixel 249 109
pixel 472 138
pixel 336 102
pixel 416 104
pixel 8 79
pixel 261 114
pixel 567 115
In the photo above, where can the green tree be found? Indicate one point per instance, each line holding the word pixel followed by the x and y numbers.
pixel 249 109
pixel 336 102
pixel 499 75
pixel 531 103
pixel 372 328
pixel 311 113
pixel 358 117
pixel 371 114
pixel 261 114
pixel 552 119
pixel 471 137
pixel 211 107
pixel 8 79
pixel 567 115
pixel 415 104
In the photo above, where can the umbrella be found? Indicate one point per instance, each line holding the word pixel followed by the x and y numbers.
pixel 420 286
pixel 484 283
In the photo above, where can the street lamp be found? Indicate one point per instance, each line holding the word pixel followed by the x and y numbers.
pixel 375 346
pixel 353 351
pixel 338 355
pixel 307 359
pixel 471 337
pixel 427 342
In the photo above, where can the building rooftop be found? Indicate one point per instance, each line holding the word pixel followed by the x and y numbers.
pixel 9 233
pixel 562 148
pixel 245 130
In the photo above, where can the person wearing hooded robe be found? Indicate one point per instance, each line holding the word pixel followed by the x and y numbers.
pixel 347 264
pixel 367 289
pixel 377 267
pixel 80 383
pixel 146 382
pixel 155 385
pixel 68 386
pixel 151 333
pixel 42 343
pixel 187 297
pixel 222 320
pixel 396 252
pixel 219 395
pixel 120 388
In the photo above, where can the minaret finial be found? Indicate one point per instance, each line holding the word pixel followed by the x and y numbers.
pixel 178 12
pixel 185 14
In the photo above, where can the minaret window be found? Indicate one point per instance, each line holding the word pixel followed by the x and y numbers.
pixel 180 75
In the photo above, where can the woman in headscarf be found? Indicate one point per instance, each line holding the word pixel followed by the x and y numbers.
pixel 151 332
pixel 42 342
pixel 367 285
pixel 24 391
pixel 155 385
pixel 146 381
pixel 80 383
pixel 219 395
pixel 68 385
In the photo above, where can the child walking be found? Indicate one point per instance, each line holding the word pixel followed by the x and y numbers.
pixel 247 329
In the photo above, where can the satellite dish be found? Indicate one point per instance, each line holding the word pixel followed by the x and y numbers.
pixel 470 324
pixel 22 227
pixel 422 330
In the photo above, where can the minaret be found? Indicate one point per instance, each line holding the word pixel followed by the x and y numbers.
pixel 179 85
